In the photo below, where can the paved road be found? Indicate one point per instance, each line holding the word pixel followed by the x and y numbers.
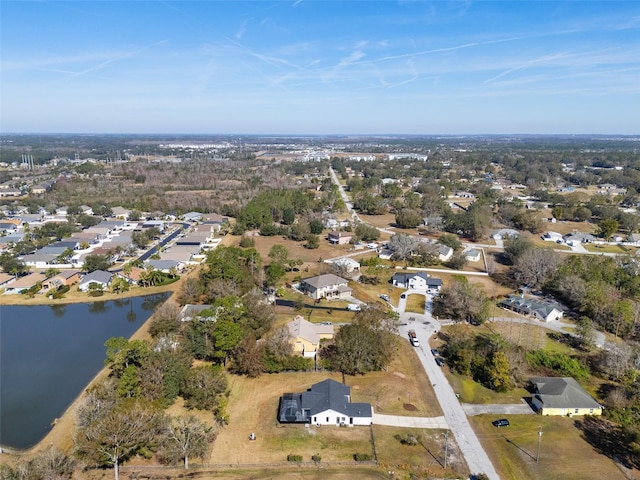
pixel 455 416
pixel 410 422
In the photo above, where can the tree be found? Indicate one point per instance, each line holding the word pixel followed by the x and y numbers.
pixel 313 241
pixel 408 218
pixel 498 371
pixel 607 227
pixel 119 433
pixel 515 246
pixel 450 240
pixel 402 246
pixel 203 387
pixel 585 331
pixel 535 267
pixel 368 233
pixel 288 216
pixel 279 255
pixel 186 437
pixel 359 349
pixel 462 301
pixel 227 336
pixel 96 262
pixel 248 358
pixel 165 320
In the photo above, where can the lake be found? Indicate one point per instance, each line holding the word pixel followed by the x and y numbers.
pixel 49 354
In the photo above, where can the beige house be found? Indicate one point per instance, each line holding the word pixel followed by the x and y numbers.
pixel 65 277
pixel 562 396
pixel 306 336
pixel 24 283
pixel 329 286
pixel 339 238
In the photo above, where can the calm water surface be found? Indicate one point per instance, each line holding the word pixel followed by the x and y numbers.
pixel 48 355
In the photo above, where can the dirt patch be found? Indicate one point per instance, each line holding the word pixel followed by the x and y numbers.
pixel 409 407
pixel 398 374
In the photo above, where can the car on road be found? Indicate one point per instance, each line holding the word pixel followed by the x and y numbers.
pixel 502 422
pixel 440 361
pixel 403 296
pixel 435 352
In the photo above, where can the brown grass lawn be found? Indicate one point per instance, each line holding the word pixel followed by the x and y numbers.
pixel 415 303
pixel 424 460
pixel 253 404
pixel 564 454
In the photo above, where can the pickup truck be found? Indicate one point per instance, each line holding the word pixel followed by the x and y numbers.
pixel 413 338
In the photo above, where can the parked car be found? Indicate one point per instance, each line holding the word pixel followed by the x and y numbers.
pixel 502 422
pixel 435 352
pixel 385 297
pixel 403 296
pixel 440 361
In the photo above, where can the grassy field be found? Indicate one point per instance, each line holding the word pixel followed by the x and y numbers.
pixel 564 454
pixel 415 303
pixel 253 403
pixel 472 392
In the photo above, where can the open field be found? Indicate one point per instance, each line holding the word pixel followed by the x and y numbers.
pixel 564 454
pixel 415 303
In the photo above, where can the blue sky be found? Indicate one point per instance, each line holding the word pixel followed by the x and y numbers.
pixel 320 67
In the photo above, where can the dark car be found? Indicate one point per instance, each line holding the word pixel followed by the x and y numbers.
pixel 440 361
pixel 403 296
pixel 502 422
pixel 435 352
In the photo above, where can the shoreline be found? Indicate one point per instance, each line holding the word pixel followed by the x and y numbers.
pixel 61 433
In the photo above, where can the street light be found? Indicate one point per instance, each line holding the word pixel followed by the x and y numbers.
pixel 539 437
pixel 446 447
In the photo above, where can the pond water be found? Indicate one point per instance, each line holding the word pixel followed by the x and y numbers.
pixel 48 355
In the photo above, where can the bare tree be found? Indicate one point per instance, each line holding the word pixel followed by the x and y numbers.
pixel 535 267
pixel 279 342
pixel 403 246
pixel 187 437
pixel 118 433
pixel 166 319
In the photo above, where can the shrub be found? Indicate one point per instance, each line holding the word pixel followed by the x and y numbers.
pixel 316 457
pixel 362 457
pixel 294 458
pixel 407 439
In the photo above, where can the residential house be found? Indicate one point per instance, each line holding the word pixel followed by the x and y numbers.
pixel 325 403
pixel 306 336
pixel 65 277
pixel 6 279
pixel 99 277
pixel 634 238
pixel 40 260
pixel 121 212
pixel 191 312
pixel 541 309
pixel 329 286
pixel 86 209
pixel 578 237
pixel 444 252
pixel 505 233
pixel 346 264
pixel 552 237
pixel 192 217
pixel 133 277
pixel 339 238
pixel 24 283
pixel 8 227
pixel 562 396
pixel 472 255
pixel 165 266
pixel 416 280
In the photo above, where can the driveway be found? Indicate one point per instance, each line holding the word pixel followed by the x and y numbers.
pixel 472 409
pixel 410 422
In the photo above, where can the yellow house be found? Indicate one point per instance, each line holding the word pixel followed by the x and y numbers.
pixel 562 396
pixel 306 336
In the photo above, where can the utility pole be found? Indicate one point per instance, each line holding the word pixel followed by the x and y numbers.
pixel 539 437
pixel 446 447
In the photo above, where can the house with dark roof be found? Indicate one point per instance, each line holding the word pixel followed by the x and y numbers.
pixel 416 280
pixel 329 286
pixel 535 307
pixel 325 403
pixel 562 396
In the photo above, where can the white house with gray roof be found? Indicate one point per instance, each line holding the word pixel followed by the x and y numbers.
pixel 325 403
pixel 100 277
